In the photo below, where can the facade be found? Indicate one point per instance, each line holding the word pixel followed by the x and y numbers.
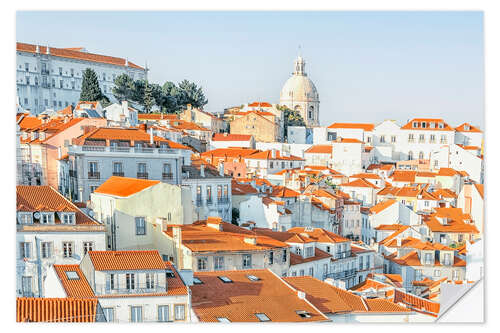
pixel 131 152
pixel 272 161
pixel 231 159
pixel 49 77
pixel 226 140
pixel 347 156
pixel 299 94
pixel 265 213
pixel 50 230
pixel 471 201
pixel 319 155
pixel 131 286
pixel 264 126
pixel 203 118
pixel 121 115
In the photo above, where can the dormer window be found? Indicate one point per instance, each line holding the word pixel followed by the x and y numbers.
pixel 466 127
pixel 424 125
pixel 68 218
pixel 432 125
pixel 415 124
pixel 47 218
pixel 25 218
pixel 428 258
pixel 441 125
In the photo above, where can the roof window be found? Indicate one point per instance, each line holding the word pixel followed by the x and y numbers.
pixel 197 281
pixel 253 278
pixel 225 279
pixel 223 320
pixel 72 275
pixel 262 317
pixel 169 273
pixel 303 314
pixel 415 124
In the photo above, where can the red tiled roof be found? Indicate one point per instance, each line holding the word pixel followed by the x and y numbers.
pixel 283 192
pixel 480 189
pixel 319 235
pixel 416 303
pixel 260 104
pixel 126 260
pixel 46 199
pixel 319 149
pixel 427 121
pixel 56 310
pixel 404 176
pixel 241 299
pixel 455 221
pixel 242 189
pixel 267 155
pixel 124 186
pixel 78 55
pixel 296 259
pixel 360 182
pixel 157 116
pixel 382 206
pixel 365 127
pixel 461 128
pixel 230 137
pixel 75 288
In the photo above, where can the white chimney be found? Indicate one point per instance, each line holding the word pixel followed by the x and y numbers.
pixel 38 49
pixel 221 169
pixel 202 170
pixel 250 240
pixel 301 294
pixel 273 153
pixel 59 153
pixel 398 241
pixel 48 49
pixel 151 141
pixel 126 62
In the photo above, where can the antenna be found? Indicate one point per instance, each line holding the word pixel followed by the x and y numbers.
pixel 300 50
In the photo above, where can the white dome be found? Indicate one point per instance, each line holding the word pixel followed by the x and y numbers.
pixel 299 88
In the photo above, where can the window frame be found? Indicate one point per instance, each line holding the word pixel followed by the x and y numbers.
pixel 138 227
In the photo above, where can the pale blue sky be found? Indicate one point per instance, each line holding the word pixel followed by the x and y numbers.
pixel 367 66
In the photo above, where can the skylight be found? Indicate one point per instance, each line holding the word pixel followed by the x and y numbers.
pixel 225 279
pixel 223 320
pixel 253 278
pixel 197 281
pixel 169 273
pixel 72 275
pixel 262 317
pixel 303 314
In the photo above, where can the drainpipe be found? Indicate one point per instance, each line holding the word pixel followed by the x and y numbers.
pixel 38 266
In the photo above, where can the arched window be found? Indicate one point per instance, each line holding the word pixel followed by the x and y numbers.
pixel 311 112
pixel 410 155
pixel 421 155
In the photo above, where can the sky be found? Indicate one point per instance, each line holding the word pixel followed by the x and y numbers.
pixel 367 66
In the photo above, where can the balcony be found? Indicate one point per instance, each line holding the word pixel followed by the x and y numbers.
pixel 44 72
pixel 167 176
pixel 340 275
pixel 118 174
pixel 140 289
pixel 129 150
pixel 72 173
pixel 94 175
pixel 142 175
pixel 210 201
pixel 340 255
pixel 223 200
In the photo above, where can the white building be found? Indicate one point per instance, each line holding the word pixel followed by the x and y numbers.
pixel 49 77
pixel 265 213
pixel 131 286
pixel 299 93
pixel 471 200
pixel 468 135
pixel 50 230
pixel 268 162
pixel 121 115
pixel 347 156
pixel 226 140
pixel 461 159
pixel 358 131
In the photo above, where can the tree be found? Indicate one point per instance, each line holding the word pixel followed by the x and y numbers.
pixel 190 93
pixel 291 118
pixel 124 87
pixel 148 100
pixel 90 87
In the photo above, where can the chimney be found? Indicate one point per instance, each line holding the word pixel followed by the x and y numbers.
pixel 221 169
pixel 48 49
pixel 59 153
pixel 126 62
pixel 398 241
pixel 38 49
pixel 273 153
pixel 143 127
pixel 151 141
pixel 177 235
pixel 214 223
pixel 202 170
pixel 301 294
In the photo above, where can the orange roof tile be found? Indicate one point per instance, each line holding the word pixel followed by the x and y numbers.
pixel 319 235
pixel 365 127
pixel 427 121
pixel 56 310
pixel 46 198
pixel 455 221
pixel 404 176
pixel 29 122
pixel 260 104
pixel 319 149
pixel 78 55
pixel 296 259
pixel 360 182
pixel 283 192
pixel 448 172
pixel 157 116
pixel 267 155
pixel 416 303
pixel 382 206
pixel 75 288
pixel 126 260
pixel 241 299
pixel 230 137
pixel 124 186
pixel 366 176
pixel 480 189
pixel 471 128
pixel 242 189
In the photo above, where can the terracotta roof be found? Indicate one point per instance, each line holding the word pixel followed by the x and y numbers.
pixel 416 303
pixel 480 189
pixel 50 129
pixel 229 152
pixel 187 125
pixel 47 199
pixel 427 121
pixel 404 176
pixel 382 206
pixel 126 260
pixel 347 140
pixel 78 55
pixel 124 186
pixel 461 128
pixel 29 122
pixel 319 149
pixel 319 235
pixel 242 189
pixel 241 299
pixel 157 116
pixel 230 137
pixel 296 259
pixel 260 104
pixel 448 172
pixel 364 127
pixel 455 221
pixel 360 182
pixel 283 192
pixel 283 236
pixel 366 176
pixel 445 193
pixel 56 310
pixel 267 155
pixel 199 237
pixel 74 288
pixel 425 174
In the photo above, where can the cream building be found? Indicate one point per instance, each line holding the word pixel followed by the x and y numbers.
pixel 299 93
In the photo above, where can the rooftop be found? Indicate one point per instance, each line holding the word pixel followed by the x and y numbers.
pixel 56 310
pixel 124 186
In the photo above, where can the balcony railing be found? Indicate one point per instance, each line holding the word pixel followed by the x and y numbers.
pixel 223 200
pixel 167 175
pixel 94 175
pixel 120 149
pixel 199 202
pixel 45 72
pixel 72 173
pixel 131 150
pixel 340 275
pixel 139 289
pixel 93 148
pixel 210 201
pixel 340 255
pixel 118 174
pixel 142 175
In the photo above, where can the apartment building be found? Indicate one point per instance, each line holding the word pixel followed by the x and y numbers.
pixel 271 161
pixel 50 230
pixel 203 118
pixel 263 125
pixel 131 286
pixel 471 201
pixel 125 152
pixel 49 77
pixel 226 140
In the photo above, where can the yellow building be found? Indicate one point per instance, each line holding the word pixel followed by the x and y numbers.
pixel 262 125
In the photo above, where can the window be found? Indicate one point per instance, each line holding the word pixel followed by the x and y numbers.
pixel 72 275
pixel 223 320
pixel 67 249
pixel 226 192
pixel 197 281
pixel 382 138
pixel 27 67
pixel 25 250
pixel 447 259
pixel 27 286
pixel 262 317
pixel 436 163
pixel 271 164
pixel 162 312
pixel 111 281
pixel 421 138
pixel 109 313
pixel 421 155
pixel 25 218
pixel 410 155
pixel 253 278
pixel 47 218
pixel 301 272
pixel 136 314
pixel 310 251
pixel 150 280
pixel 202 263
pixel 311 271
pixel 141 168
pixel 68 218
pixel 209 194
pixel 455 275
pixel 437 272
pixel 46 249
pixel 443 139
pixel 117 169
pixel 393 139
pixel 93 168
pixel 130 281
pixel 428 258
pixel 283 258
pixel 325 268
pixel 180 312
pixel 411 138
pixel 60 71
pixel 219 192
pixel 72 71
pixel 432 138
pixel 247 261
pixel 218 263
pixel 87 246
pixel 271 257
pixel 360 262
pixel 225 279
pixel 140 226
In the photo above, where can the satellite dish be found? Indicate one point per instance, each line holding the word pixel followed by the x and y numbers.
pixel 36 215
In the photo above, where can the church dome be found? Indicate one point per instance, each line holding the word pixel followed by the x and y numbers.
pixel 299 87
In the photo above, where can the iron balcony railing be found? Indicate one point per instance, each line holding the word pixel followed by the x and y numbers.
pixel 142 175
pixel 119 174
pixel 132 150
pixel 94 175
pixel 343 254
pixel 139 289
pixel 340 275
pixel 167 175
